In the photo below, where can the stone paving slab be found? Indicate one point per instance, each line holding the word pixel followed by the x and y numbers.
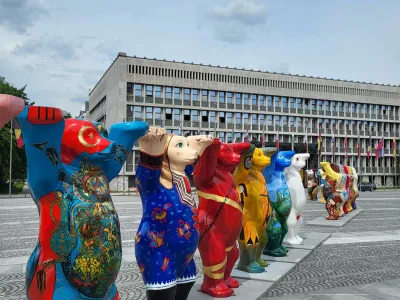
pixel 311 240
pixel 322 221
pixel 382 290
pixel 275 271
pixel 248 289
pixel 280 266
pixel 12 269
pixel 394 282
pixel 351 238
pixel 344 293
pixel 13 260
pixel 294 256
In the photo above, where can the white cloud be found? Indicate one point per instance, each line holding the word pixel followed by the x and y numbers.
pixel 19 15
pixel 237 21
pixel 61 51
pixel 46 45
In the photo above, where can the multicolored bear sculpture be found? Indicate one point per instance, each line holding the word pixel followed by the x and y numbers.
pixel 280 200
pixel 349 189
pixel 312 185
pixel 334 189
pixel 345 188
pixel 355 193
pixel 220 216
pixel 298 197
pixel 70 164
pixel 322 176
pixel 168 235
pixel 253 193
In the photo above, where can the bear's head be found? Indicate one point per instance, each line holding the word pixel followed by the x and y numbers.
pixel 229 155
pixel 310 174
pixel 282 159
pixel 83 138
pixel 178 154
pixel 333 177
pixel 298 161
pixel 261 159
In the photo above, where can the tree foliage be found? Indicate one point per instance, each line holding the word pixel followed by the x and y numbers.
pixel 19 165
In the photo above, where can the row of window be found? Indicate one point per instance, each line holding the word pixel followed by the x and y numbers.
pixel 273 83
pixel 252 99
pixel 229 136
pixel 351 160
pixel 159 113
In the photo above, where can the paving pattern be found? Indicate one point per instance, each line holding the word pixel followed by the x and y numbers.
pixel 341 270
pixel 336 264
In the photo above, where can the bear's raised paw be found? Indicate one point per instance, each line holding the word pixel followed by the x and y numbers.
pixel 155 134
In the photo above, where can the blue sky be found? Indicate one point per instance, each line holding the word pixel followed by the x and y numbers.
pixel 60 49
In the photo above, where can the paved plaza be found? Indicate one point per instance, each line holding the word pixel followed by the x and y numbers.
pixel 361 260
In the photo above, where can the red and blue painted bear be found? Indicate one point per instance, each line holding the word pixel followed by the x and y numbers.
pixel 70 165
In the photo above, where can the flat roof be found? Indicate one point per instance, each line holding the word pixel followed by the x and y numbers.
pixel 123 54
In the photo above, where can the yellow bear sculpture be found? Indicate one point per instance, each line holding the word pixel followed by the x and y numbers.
pixel 251 186
pixel 322 175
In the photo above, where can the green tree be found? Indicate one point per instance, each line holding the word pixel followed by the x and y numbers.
pixel 66 114
pixel 19 165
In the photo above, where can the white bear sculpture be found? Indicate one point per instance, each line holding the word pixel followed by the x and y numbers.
pixel 298 197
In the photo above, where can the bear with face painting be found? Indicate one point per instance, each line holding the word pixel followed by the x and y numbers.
pixel 168 234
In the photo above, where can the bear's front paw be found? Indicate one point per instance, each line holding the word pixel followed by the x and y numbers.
pixel 153 142
pixel 200 142
pixel 155 134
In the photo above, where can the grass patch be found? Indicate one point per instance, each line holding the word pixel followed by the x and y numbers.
pixel 15 189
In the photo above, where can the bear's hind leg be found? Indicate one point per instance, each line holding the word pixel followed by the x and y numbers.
pixel 166 294
pixel 183 290
pixel 231 258
pixel 213 255
pixel 263 242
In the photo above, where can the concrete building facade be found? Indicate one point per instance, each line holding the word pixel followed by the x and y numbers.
pixel 234 103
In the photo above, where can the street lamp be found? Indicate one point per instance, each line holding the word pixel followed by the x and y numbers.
pixel 123 169
pixel 306 121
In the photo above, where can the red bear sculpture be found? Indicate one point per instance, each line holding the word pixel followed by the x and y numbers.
pixel 220 216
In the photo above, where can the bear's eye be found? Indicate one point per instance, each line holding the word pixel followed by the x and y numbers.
pixel 297 159
pixel 180 145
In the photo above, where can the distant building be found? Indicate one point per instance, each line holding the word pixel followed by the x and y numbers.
pixel 232 102
pixel 83 113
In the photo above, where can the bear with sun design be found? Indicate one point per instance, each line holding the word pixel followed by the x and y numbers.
pixel 70 165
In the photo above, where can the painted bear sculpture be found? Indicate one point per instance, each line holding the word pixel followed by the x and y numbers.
pixel 279 196
pixel 10 107
pixel 70 164
pixel 298 197
pixel 322 175
pixel 253 194
pixel 334 187
pixel 349 184
pixel 220 215
pixel 168 233
pixel 354 189
pixel 312 185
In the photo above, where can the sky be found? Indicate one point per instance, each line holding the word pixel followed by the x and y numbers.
pixel 60 49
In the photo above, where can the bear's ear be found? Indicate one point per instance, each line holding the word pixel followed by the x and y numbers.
pixel 270 152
